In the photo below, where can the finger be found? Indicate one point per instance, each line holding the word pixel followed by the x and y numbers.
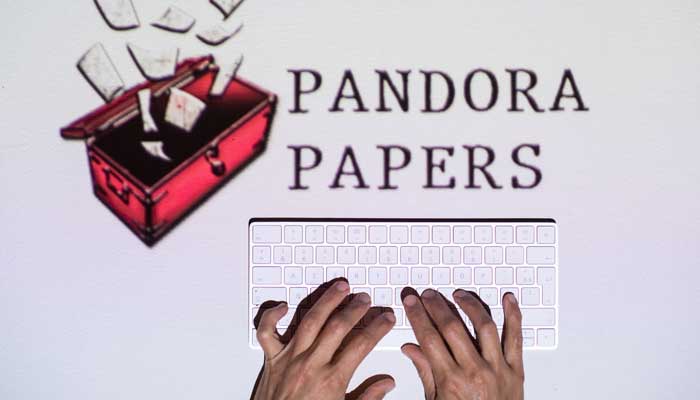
pixel 513 334
pixel 363 342
pixel 484 327
pixel 267 330
pixel 428 337
pixel 420 361
pixel 339 326
pixel 374 388
pixel 452 329
pixel 316 317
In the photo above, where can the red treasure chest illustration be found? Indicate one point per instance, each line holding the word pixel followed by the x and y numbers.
pixel 152 179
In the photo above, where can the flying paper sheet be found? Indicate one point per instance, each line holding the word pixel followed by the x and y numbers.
pixel 227 7
pixel 183 109
pixel 224 77
pixel 98 69
pixel 155 149
pixel 154 64
pixel 175 20
pixel 149 125
pixel 119 14
pixel 217 34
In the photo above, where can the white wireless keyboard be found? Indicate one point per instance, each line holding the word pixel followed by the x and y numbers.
pixel 290 257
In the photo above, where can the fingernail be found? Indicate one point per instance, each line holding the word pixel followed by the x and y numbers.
pixel 342 286
pixel 362 298
pixel 512 298
pixel 460 293
pixel 280 305
pixel 389 316
pixel 390 387
pixel 429 293
pixel 410 300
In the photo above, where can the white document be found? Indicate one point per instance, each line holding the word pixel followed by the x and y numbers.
pixel 227 7
pixel 98 69
pixel 154 64
pixel 224 77
pixel 217 34
pixel 149 125
pixel 175 20
pixel 183 109
pixel 119 14
pixel 155 149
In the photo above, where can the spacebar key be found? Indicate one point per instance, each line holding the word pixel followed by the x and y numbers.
pixel 538 316
pixel 397 338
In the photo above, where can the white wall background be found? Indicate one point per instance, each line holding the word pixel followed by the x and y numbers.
pixel 88 312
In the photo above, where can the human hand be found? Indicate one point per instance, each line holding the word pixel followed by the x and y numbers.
pixel 319 359
pixel 453 365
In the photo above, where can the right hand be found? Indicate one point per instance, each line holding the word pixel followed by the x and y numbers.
pixel 451 363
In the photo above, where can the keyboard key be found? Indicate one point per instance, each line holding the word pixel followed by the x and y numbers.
pixel 346 255
pixel 377 276
pixel 293 234
pixel 472 255
pixel 388 255
pixel 441 276
pixel 451 255
pixel 357 234
pixel 314 234
pixel 420 276
pixel 546 277
pixel 335 234
pixel 483 276
pixel 367 255
pixel 525 234
pixel 282 254
pixel 293 276
pixel 377 234
pixel 396 338
pixel 314 275
pixel 399 276
pixel 441 234
pixel 261 255
pixel 267 275
pixel 493 255
pixel 287 319
pixel 383 296
pixel 357 275
pixel 545 337
pixel 530 296
pixel 525 276
pixel 263 294
pixel 409 255
pixel 483 234
pixel 545 234
pixel 504 276
pixel 296 295
pixel 515 255
pixel 420 234
pixel 504 234
pixel 430 255
pixel 538 316
pixel 334 272
pixel 267 234
pixel 498 316
pixel 462 234
pixel 398 313
pixel 540 255
pixel 325 255
pixel 489 295
pixel 303 255
pixel 528 338
pixel 358 289
pixel 463 276
pixel 446 292
pixel 398 234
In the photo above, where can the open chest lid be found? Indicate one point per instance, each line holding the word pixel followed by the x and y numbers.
pixel 123 107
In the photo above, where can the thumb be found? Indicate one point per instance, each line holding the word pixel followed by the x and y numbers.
pixel 425 373
pixel 374 388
